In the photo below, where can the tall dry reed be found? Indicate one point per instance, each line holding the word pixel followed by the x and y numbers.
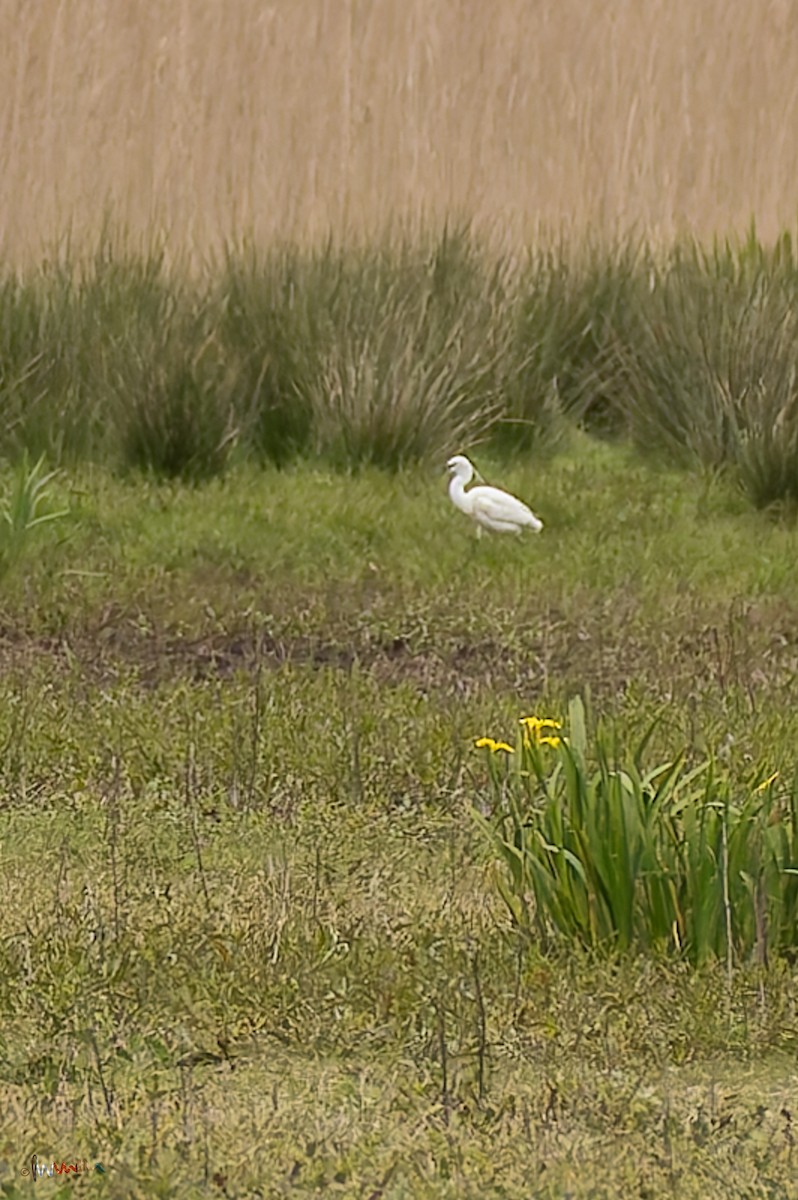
pixel 288 119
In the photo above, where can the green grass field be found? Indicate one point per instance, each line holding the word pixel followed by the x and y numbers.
pixel 343 854
pixel 253 938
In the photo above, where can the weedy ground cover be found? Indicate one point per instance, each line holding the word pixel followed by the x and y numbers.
pixel 253 939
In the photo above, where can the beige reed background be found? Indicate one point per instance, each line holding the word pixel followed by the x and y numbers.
pixel 211 118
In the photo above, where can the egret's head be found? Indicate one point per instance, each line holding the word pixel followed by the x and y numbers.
pixel 459 465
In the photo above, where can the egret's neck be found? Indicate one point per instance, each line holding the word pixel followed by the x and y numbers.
pixel 457 493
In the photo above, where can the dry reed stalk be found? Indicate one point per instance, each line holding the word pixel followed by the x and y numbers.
pixel 288 119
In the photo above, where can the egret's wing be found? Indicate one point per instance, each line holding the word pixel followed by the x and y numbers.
pixel 501 506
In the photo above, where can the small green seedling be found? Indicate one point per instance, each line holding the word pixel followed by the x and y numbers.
pixel 24 509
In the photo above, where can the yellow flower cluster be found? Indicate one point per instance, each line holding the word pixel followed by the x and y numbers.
pixel 538 731
pixel 533 731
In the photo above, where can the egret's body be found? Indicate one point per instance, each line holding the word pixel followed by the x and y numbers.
pixel 490 507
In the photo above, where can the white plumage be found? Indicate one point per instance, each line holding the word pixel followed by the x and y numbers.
pixel 490 507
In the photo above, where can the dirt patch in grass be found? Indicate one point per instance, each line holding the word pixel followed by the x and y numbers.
pixel 606 647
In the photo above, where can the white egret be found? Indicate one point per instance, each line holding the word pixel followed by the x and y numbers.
pixel 490 507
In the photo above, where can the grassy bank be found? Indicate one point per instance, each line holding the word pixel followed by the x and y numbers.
pixel 254 938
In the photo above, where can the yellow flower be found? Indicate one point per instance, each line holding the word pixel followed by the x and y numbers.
pixel 766 782
pixel 533 731
pixel 492 745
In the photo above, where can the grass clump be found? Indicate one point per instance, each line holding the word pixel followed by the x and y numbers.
pixel 382 355
pixel 413 366
pixel 174 396
pixel 273 312
pixel 386 355
pixel 614 855
pixel 43 366
pixel 711 370
pixel 67 332
pixel 572 310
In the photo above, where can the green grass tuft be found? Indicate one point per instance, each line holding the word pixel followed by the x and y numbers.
pixel 613 853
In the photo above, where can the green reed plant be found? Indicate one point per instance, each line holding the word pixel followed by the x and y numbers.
pixel 66 330
pixel 420 344
pixel 766 450
pixel 25 508
pixel 273 324
pixel 387 353
pixel 174 398
pixel 405 349
pixel 710 367
pixel 40 356
pixel 599 849
pixel 572 311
